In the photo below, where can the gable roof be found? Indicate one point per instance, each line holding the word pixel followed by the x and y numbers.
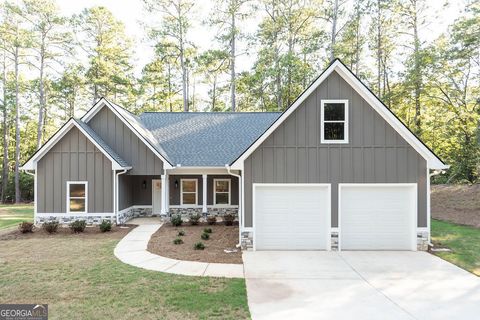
pixel 206 138
pixel 433 161
pixel 134 124
pixel 117 161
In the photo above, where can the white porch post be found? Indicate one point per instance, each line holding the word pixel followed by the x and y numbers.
pixel 204 199
pixel 164 198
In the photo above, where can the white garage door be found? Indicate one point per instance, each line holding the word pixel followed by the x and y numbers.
pixel 377 217
pixel 291 216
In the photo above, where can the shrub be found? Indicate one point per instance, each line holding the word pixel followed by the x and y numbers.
pixel 211 220
pixel 176 220
pixel 177 241
pixel 207 230
pixel 205 236
pixel 228 219
pixel 181 233
pixel 105 226
pixel 25 227
pixel 51 226
pixel 194 219
pixel 78 226
pixel 199 246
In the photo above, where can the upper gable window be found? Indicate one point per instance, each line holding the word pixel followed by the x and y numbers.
pixel 334 121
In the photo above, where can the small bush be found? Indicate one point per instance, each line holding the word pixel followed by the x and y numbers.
pixel 25 227
pixel 228 219
pixel 105 226
pixel 205 236
pixel 176 220
pixel 177 241
pixel 207 230
pixel 181 233
pixel 199 246
pixel 194 219
pixel 78 226
pixel 51 226
pixel 211 220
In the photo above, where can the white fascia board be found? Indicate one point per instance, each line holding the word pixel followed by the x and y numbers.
pixel 432 161
pixel 30 165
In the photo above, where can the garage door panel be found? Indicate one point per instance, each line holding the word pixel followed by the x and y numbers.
pixel 377 217
pixel 291 217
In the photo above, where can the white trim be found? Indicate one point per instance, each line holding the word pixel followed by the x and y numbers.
pixel 67 203
pixel 163 209
pixel 181 193
pixel 322 121
pixel 30 164
pixel 198 171
pixel 229 191
pixel 104 102
pixel 328 246
pixel 197 206
pixel 162 181
pixel 432 161
pixel 204 193
pixel 69 215
pixel 413 218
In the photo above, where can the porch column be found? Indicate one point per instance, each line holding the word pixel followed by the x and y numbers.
pixel 204 199
pixel 164 198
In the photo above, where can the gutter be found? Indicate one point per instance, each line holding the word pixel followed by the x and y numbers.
pixel 240 201
pixel 115 194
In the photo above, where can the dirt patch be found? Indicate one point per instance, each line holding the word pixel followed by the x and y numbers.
pixel 222 237
pixel 456 203
pixel 65 232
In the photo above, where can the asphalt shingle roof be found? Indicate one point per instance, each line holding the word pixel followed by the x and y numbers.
pixel 102 143
pixel 206 138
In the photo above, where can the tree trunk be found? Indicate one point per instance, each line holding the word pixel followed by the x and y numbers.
pixel 42 106
pixel 417 72
pixel 379 49
pixel 334 30
pixel 232 63
pixel 5 133
pixel 17 131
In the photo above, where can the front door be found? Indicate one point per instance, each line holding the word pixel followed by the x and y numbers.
pixel 156 196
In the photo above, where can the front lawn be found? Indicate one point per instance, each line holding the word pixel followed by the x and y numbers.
pixel 80 278
pixel 12 215
pixel 464 241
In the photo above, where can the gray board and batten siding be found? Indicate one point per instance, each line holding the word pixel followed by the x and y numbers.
pixel 376 153
pixel 74 158
pixel 126 143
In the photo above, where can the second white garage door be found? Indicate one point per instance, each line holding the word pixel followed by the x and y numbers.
pixel 291 216
pixel 377 216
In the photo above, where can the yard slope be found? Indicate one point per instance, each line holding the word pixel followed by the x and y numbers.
pixel 456 203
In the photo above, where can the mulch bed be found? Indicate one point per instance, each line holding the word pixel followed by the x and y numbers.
pixel 223 237
pixel 456 203
pixel 64 232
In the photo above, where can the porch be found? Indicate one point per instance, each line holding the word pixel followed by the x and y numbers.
pixel 180 191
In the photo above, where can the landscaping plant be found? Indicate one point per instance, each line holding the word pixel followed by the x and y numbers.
pixel 205 236
pixel 25 227
pixel 181 233
pixel 194 219
pixel 105 226
pixel 177 241
pixel 199 246
pixel 211 220
pixel 207 230
pixel 78 226
pixel 50 226
pixel 228 219
pixel 176 220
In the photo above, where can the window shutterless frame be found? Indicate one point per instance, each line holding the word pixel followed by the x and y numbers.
pixel 323 121
pixel 69 183
pixel 182 192
pixel 229 192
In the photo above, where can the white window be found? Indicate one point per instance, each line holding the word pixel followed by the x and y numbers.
pixel 188 192
pixel 334 121
pixel 221 191
pixel 77 196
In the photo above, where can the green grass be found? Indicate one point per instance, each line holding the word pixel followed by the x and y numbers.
pixel 12 215
pixel 464 242
pixel 79 277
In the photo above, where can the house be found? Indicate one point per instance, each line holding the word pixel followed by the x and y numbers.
pixel 336 170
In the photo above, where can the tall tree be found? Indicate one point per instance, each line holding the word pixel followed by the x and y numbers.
pixel 211 65
pixel 175 16
pixel 334 11
pixel 5 124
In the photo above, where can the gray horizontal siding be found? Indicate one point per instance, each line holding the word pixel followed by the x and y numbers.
pixel 126 143
pixel 74 158
pixel 376 153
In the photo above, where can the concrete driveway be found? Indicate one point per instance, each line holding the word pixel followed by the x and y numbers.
pixel 358 285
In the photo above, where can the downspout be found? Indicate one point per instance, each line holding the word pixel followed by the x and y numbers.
pixel 240 199
pixel 116 193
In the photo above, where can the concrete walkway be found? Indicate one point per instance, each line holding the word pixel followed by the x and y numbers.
pixel 132 250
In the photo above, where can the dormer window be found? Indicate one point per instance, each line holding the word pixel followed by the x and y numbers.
pixel 334 123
